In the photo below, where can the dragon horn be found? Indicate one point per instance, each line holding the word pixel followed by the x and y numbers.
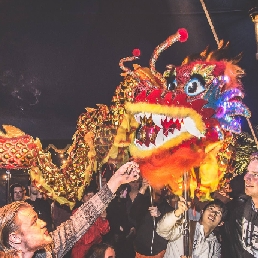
pixel 181 36
pixel 136 54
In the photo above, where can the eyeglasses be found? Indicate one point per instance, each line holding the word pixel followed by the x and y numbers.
pixel 216 212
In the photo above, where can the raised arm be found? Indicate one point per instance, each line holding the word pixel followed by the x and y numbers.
pixel 170 226
pixel 69 232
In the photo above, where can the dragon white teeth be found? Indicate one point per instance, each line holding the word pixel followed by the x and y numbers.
pixel 160 138
pixel 190 126
pixel 187 125
pixel 163 117
pixel 157 120
pixel 174 134
pixel 137 118
pixel 147 115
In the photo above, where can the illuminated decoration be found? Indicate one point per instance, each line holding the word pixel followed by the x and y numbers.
pixel 180 121
pixel 17 150
pixel 243 146
pixel 60 151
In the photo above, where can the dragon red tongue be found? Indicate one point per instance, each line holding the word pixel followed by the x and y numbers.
pixel 170 125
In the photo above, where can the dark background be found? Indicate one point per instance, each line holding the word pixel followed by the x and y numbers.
pixel 59 56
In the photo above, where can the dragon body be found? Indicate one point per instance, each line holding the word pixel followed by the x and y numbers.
pixel 181 120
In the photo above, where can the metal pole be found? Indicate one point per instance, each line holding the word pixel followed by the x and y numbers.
pixel 100 179
pixel 186 218
pixel 8 176
pixel 154 222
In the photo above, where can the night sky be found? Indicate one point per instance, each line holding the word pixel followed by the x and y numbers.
pixel 58 57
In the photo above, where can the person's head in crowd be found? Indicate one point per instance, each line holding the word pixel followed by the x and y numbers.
pixel 101 250
pixel 33 190
pixel 88 193
pixel 17 192
pixel 251 178
pixel 159 194
pixel 21 229
pixel 213 214
pixel 135 185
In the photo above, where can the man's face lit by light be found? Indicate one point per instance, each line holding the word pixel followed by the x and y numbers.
pixel 18 194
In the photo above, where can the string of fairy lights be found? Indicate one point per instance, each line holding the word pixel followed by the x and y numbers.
pixel 59 151
pixel 62 153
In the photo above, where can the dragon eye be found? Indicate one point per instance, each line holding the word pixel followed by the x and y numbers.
pixel 194 87
pixel 171 83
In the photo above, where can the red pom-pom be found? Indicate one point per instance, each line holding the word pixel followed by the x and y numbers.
pixel 136 52
pixel 183 35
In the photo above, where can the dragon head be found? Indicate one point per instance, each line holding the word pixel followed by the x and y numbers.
pixel 185 116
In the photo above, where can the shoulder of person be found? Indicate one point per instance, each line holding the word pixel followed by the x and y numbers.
pixel 29 201
pixel 239 200
pixel 236 205
pixel 244 198
pixel 142 197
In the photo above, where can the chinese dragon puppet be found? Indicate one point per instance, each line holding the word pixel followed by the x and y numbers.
pixel 183 120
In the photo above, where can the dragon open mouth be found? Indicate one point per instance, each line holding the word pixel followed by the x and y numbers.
pixel 156 129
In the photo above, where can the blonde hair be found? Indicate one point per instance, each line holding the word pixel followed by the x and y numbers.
pixel 8 214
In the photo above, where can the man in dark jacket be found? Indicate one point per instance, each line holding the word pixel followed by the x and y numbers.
pixel 146 214
pixel 242 225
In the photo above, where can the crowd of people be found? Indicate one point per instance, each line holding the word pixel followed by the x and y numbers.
pixel 122 216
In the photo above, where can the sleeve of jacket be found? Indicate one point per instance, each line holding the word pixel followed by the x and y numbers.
pixel 217 251
pixel 69 232
pixel 170 227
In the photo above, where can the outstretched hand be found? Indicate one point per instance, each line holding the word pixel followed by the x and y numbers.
pixel 154 211
pixel 126 173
